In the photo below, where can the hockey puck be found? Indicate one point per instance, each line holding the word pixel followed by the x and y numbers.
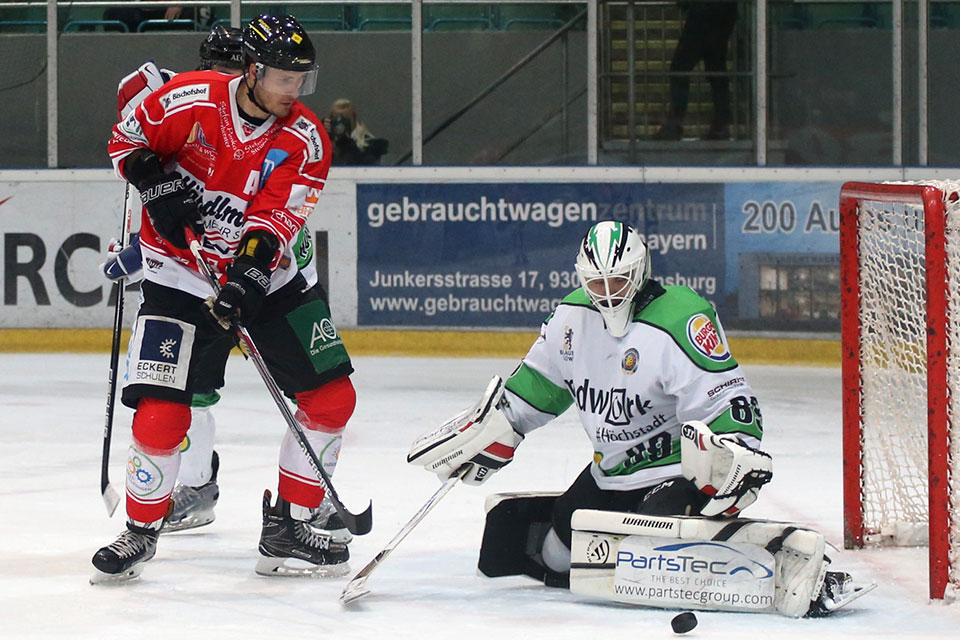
pixel 683 622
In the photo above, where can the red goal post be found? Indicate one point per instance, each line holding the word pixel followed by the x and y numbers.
pixel 900 316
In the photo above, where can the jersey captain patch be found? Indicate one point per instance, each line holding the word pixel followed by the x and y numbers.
pixel 705 338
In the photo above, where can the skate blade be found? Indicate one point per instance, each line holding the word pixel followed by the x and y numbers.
pixel 190 522
pixel 99 577
pixel 858 591
pixel 293 568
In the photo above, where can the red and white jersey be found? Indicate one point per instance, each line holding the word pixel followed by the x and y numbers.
pixel 266 177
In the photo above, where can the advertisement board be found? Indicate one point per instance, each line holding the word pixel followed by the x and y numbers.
pixel 502 254
pixel 55 235
pixel 454 248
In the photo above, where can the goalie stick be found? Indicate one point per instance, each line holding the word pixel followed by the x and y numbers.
pixel 110 497
pixel 356 588
pixel 358 524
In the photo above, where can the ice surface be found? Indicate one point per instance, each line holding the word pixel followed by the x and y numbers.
pixel 202 584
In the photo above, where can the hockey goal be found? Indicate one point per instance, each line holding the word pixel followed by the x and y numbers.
pixel 900 274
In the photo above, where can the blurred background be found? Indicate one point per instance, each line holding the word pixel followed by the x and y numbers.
pixel 722 130
pixel 809 82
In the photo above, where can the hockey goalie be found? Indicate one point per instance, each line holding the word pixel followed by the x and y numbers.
pixel 676 428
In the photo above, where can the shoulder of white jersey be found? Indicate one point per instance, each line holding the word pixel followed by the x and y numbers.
pixel 307 128
pixel 692 323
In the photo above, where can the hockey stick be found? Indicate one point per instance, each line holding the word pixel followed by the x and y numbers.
pixel 110 497
pixel 358 524
pixel 356 588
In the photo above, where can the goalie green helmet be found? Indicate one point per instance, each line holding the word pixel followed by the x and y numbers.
pixel 613 264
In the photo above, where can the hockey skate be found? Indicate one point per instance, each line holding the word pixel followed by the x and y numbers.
pixel 838 591
pixel 123 559
pixel 326 519
pixel 290 547
pixel 193 506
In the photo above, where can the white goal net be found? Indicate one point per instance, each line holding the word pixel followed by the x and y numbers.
pixel 901 477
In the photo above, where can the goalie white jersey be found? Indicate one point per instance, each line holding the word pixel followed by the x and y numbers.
pixel 634 393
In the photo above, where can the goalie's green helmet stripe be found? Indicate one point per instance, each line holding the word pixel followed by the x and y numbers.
pixel 617 243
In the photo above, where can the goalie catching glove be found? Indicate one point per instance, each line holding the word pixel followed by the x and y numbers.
pixel 479 437
pixel 723 467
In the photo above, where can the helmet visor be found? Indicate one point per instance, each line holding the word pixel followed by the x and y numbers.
pixel 285 82
pixel 610 292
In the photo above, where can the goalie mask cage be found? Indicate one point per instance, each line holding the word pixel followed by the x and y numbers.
pixel 900 314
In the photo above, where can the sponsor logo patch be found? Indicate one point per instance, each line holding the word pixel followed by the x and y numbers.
pixel 705 338
pixel 630 360
pixel 566 352
pixel 310 131
pixel 130 127
pixel 160 354
pixel 143 476
pixel 313 195
pixel 185 95
pixel 722 575
pixel 616 405
pixel 274 158
pixel 598 550
pixel 318 335
pixel 197 135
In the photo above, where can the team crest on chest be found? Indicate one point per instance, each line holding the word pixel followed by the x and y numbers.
pixel 566 351
pixel 631 359
pixel 705 338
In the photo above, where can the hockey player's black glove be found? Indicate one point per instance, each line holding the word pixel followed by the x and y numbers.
pixel 169 203
pixel 248 280
pixel 171 206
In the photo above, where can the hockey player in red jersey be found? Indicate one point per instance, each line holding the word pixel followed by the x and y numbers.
pixel 197 490
pixel 241 162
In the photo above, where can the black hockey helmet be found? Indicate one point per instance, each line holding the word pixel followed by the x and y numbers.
pixel 279 42
pixel 223 47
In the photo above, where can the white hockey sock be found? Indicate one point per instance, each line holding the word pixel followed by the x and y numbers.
pixel 298 482
pixel 151 476
pixel 196 450
pixel 555 554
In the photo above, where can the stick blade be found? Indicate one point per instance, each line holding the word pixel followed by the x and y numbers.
pixel 354 590
pixel 111 499
pixel 359 524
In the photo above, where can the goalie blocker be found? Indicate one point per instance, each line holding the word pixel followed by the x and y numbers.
pixel 707 564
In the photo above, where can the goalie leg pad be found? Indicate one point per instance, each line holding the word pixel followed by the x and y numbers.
pixel 515 528
pixel 696 563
